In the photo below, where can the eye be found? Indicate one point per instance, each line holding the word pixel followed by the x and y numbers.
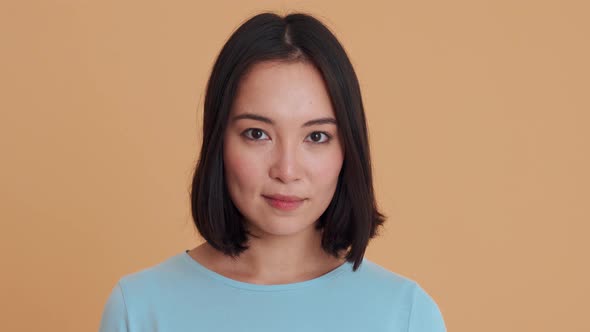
pixel 316 137
pixel 254 134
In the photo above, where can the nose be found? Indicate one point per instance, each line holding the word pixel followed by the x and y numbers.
pixel 285 166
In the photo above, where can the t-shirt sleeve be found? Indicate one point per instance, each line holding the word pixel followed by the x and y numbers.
pixel 425 315
pixel 114 315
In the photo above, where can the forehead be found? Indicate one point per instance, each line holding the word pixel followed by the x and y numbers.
pixel 283 90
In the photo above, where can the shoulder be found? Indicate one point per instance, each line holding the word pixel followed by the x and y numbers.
pixel 373 275
pixel 406 296
pixel 137 293
pixel 166 275
pixel 147 286
pixel 425 315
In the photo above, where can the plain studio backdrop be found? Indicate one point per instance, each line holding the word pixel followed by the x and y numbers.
pixel 478 115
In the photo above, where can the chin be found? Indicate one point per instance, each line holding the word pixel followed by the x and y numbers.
pixel 281 227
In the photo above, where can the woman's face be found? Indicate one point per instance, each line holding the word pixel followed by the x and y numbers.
pixel 282 139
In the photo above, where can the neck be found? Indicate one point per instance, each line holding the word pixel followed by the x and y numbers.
pixel 280 259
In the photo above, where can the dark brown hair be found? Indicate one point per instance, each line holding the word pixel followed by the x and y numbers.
pixel 352 217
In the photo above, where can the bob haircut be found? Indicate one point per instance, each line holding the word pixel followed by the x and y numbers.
pixel 352 217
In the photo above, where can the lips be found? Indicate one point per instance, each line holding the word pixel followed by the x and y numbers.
pixel 284 198
pixel 284 202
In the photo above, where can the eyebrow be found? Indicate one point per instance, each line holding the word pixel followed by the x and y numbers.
pixel 261 118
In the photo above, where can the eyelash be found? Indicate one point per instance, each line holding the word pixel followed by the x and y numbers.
pixel 329 137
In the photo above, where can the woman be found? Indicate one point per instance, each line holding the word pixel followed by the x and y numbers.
pixel 283 197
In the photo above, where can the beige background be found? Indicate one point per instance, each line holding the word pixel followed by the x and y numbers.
pixel 479 122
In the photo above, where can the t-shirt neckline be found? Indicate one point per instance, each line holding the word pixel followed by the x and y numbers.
pixel 268 288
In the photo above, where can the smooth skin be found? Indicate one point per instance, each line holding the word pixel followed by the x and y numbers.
pixel 281 138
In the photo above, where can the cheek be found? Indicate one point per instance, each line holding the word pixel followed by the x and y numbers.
pixel 241 169
pixel 326 169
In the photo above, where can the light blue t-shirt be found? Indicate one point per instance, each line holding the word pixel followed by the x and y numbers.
pixel 179 294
